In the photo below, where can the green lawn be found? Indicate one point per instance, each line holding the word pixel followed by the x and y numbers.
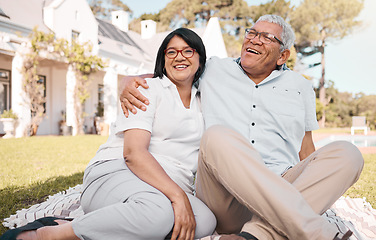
pixel 36 167
pixel 31 160
pixel 366 185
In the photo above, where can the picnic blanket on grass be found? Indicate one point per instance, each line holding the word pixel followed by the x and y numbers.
pixel 355 214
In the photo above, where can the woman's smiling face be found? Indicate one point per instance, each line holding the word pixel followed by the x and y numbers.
pixel 181 70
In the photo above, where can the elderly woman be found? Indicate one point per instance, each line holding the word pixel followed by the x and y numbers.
pixel 140 183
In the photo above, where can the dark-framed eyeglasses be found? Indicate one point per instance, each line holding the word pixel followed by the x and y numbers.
pixel 173 53
pixel 264 37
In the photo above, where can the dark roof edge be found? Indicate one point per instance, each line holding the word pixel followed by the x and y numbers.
pixel 2 13
pixel 101 23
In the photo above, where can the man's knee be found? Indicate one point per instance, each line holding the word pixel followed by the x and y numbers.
pixel 350 156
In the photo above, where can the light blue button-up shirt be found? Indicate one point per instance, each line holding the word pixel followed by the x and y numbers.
pixel 274 114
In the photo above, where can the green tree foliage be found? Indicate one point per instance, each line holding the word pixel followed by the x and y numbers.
pixel 342 106
pixel 336 18
pixel 278 7
pixel 188 13
pixel 234 16
pixel 135 24
pixel 365 105
pixel 317 21
pixel 103 8
pixel 233 44
pixel 319 109
pixel 292 59
pixel 34 91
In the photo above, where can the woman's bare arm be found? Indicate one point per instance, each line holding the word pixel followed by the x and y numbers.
pixel 145 166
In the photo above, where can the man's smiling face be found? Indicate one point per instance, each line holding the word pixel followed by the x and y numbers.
pixel 259 59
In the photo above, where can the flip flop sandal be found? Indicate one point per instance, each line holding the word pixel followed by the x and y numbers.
pixel 245 235
pixel 46 221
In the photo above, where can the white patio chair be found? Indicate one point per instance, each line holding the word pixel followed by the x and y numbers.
pixel 359 123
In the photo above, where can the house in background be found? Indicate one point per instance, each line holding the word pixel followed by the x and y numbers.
pixel 127 53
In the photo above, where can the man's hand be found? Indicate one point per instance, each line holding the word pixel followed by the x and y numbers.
pixel 130 97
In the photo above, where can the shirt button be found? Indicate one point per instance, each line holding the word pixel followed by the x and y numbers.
pixel 254 106
pixel 253 124
pixel 256 86
pixel 253 141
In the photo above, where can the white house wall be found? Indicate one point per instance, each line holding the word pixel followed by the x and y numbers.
pixel 213 39
pixel 18 97
pixel 92 102
pixel 64 16
pixel 127 66
pixel 69 103
pixel 110 83
pixel 55 96
pixel 57 90
pixel 45 125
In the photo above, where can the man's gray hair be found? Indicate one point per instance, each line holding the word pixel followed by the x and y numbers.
pixel 288 35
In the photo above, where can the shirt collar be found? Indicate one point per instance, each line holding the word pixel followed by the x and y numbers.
pixel 274 74
pixel 166 83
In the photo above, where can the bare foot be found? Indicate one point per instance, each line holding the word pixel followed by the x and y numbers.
pixel 61 221
pixel 28 235
pixel 231 237
pixel 37 234
pixel 59 232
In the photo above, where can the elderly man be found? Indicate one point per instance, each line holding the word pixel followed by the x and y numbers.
pixel 258 169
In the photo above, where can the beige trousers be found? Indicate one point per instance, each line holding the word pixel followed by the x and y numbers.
pixel 245 195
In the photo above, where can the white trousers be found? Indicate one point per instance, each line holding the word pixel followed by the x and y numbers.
pixel 118 205
pixel 245 195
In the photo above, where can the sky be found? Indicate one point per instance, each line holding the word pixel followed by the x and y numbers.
pixel 350 62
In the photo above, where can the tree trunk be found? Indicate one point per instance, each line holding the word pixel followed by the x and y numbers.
pixel 78 107
pixel 37 115
pixel 322 90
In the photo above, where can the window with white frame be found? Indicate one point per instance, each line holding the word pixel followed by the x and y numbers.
pixel 100 106
pixel 42 80
pixel 5 90
pixel 75 35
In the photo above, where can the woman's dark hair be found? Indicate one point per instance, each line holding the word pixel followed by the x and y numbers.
pixel 193 40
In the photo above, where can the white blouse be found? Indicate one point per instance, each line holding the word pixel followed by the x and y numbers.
pixel 175 131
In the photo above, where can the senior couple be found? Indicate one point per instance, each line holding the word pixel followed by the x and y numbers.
pixel 258 173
